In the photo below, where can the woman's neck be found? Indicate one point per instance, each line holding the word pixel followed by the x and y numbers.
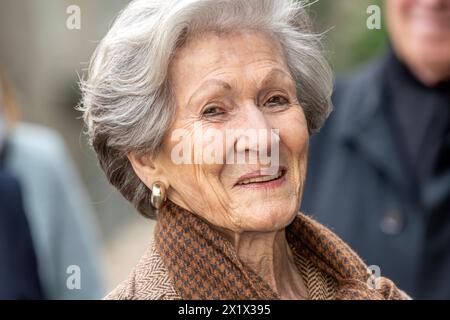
pixel 269 255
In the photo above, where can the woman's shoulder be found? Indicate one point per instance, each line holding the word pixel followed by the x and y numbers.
pixel 347 276
pixel 148 281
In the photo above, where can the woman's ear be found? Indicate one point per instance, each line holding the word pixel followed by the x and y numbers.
pixel 147 169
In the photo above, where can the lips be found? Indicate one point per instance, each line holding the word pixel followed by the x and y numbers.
pixel 258 178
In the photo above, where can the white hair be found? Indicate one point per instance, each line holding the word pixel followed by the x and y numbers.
pixel 127 102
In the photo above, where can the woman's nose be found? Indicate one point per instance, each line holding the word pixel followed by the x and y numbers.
pixel 252 117
pixel 255 134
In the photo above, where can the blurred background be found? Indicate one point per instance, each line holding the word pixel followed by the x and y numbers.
pixel 42 60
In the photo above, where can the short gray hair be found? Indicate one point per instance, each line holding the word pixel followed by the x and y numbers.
pixel 126 101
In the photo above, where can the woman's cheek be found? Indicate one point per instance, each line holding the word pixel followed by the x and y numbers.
pixel 294 132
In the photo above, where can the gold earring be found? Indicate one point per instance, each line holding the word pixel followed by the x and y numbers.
pixel 158 196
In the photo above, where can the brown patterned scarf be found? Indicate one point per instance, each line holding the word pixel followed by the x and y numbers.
pixel 204 265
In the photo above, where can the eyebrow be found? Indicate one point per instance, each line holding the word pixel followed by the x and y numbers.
pixel 210 82
pixel 269 77
pixel 273 74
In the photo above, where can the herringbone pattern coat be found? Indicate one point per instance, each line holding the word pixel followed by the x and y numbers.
pixel 185 246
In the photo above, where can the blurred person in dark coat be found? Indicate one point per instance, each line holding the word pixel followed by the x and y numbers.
pixel 19 278
pixel 61 219
pixel 379 172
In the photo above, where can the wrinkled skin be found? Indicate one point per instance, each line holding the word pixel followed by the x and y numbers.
pixel 256 91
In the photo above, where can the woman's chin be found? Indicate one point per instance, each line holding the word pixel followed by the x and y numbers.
pixel 267 218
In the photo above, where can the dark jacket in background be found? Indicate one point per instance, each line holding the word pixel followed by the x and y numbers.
pixel 379 175
pixel 18 270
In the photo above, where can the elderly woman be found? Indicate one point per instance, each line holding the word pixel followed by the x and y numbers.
pixel 171 73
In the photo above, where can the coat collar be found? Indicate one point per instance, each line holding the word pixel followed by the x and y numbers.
pixel 150 280
pixel 362 124
pixel 330 269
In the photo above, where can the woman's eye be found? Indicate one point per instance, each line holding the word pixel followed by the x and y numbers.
pixel 213 111
pixel 276 101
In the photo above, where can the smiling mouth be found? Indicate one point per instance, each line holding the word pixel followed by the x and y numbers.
pixel 263 180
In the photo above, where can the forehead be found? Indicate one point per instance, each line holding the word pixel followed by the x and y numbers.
pixel 212 54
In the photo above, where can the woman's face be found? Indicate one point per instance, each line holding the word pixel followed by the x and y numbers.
pixel 230 91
